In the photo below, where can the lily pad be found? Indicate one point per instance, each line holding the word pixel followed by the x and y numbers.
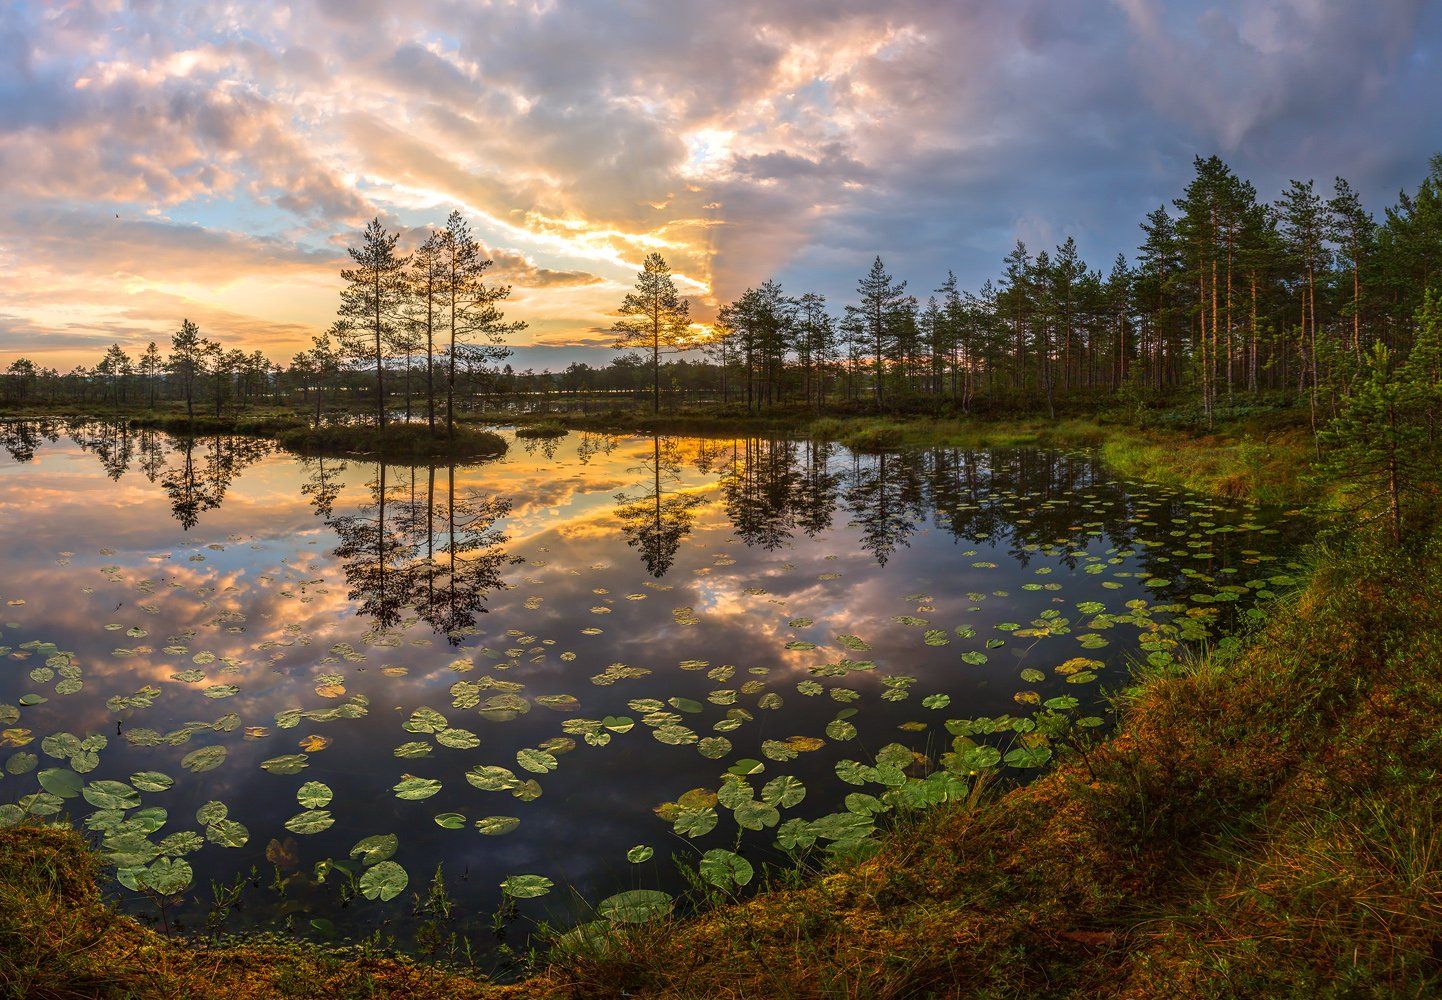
pixel 635 906
pixel 384 881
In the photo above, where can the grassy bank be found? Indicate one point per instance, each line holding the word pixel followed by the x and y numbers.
pixel 60 939
pixel 267 424
pixel 542 431
pixel 263 421
pixel 1262 457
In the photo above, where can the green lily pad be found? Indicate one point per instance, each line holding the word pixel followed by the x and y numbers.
pixel 413 789
pixel 375 848
pixel 313 794
pixel 310 821
pixel 635 906
pixel 495 826
pixel 725 868
pixel 526 886
pixel 385 880
pixel 111 795
pixel 60 781
pixel 227 833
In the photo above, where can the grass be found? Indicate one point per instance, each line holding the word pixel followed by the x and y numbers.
pixel 60 939
pixel 397 441
pixel 262 421
pixel 263 424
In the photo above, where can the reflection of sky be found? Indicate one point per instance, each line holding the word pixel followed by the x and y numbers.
pixel 265 554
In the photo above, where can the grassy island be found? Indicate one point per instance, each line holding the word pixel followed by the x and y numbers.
pixel 398 442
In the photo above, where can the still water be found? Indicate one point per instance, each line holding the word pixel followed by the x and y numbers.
pixel 221 653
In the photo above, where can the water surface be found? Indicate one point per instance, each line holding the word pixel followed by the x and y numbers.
pixel 243 622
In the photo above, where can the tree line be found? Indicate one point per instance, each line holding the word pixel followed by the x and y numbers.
pixel 1307 299
pixel 1229 296
pixel 421 326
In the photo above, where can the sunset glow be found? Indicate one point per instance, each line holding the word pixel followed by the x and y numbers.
pixel 185 160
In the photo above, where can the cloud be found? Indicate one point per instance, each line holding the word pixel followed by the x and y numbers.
pixel 242 148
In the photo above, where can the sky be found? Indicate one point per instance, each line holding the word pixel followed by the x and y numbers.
pixel 213 160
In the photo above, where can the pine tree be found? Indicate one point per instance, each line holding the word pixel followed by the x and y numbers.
pixel 186 362
pixel 1303 231
pixel 425 283
pixel 815 346
pixel 114 368
pixel 1159 271
pixel 880 298
pixel 150 365
pixel 371 300
pixel 1350 226
pixel 1378 444
pixel 654 319
pixel 476 325
pixel 22 376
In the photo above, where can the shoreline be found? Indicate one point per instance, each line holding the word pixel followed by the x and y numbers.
pixel 1262 459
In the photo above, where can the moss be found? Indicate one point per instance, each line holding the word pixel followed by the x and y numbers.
pixel 257 424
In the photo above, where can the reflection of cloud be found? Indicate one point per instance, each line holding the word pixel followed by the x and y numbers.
pixel 293 597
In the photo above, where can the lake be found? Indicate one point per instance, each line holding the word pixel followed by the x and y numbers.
pixel 551 664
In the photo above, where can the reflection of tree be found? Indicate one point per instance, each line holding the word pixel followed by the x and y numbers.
pixel 323 484
pixel 591 445
pixel 439 551
pixel 886 498
pixel 152 455
pixel 196 484
pixel 109 442
pixel 759 488
pixel 188 492
pixel 373 554
pixel 653 520
pixel 20 438
pixel 816 489
pixel 773 487
pixel 547 446
pixel 463 555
